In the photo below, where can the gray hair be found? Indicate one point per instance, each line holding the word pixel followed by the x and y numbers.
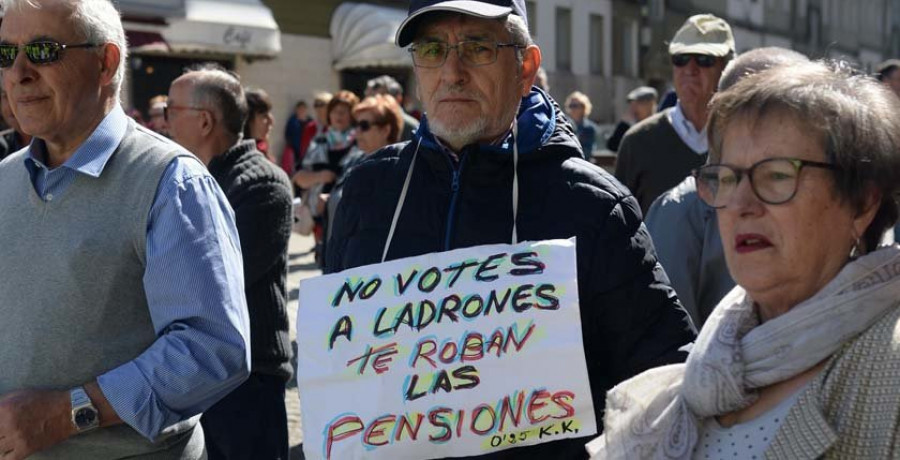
pixel 387 83
pixel 518 33
pixel 755 61
pixel 856 118
pixel 518 30
pixel 220 91
pixel 97 21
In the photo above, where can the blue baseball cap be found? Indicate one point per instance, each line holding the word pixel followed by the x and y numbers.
pixel 488 9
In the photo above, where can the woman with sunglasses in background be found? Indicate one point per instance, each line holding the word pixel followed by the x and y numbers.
pixel 379 123
pixel 801 359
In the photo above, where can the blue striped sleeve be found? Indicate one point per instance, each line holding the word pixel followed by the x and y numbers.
pixel 195 291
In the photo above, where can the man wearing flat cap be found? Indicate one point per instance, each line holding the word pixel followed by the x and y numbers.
pixel 658 153
pixel 486 129
pixel 641 104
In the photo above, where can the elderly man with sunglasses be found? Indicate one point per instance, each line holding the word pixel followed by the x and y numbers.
pixel 121 282
pixel 658 153
pixel 485 129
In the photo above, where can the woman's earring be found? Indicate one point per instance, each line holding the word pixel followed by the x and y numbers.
pixel 858 249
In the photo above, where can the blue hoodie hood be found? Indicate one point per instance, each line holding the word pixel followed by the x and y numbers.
pixel 538 120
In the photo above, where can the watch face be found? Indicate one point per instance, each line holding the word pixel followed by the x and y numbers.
pixel 85 417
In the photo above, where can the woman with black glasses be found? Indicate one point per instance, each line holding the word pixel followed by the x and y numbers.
pixel 801 359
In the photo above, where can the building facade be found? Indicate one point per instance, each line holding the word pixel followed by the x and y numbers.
pixel 604 48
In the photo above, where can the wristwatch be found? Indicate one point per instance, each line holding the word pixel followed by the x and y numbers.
pixel 84 415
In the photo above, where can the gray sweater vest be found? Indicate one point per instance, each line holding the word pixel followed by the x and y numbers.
pixel 72 301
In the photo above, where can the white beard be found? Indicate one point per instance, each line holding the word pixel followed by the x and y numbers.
pixel 460 137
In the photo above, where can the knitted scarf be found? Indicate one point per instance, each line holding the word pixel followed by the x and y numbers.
pixel 657 414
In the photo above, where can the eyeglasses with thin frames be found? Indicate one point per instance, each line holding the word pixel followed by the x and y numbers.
pixel 170 108
pixel 773 180
pixel 702 60
pixel 39 52
pixel 473 53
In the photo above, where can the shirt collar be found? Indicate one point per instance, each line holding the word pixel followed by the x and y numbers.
pixel 693 138
pixel 90 157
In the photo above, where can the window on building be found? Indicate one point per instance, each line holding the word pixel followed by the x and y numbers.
pixel 596 44
pixel 563 39
pixel 814 26
pixel 625 48
pixel 531 12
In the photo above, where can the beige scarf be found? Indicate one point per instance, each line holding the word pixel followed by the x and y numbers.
pixel 657 414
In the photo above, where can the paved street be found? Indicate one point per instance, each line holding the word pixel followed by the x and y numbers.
pixel 300 265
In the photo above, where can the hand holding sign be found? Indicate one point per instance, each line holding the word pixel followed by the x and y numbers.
pixel 458 353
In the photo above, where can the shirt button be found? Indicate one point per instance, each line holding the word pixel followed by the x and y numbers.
pixel 49 197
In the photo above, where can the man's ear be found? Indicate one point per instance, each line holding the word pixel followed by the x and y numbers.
pixel 531 62
pixel 207 122
pixel 109 63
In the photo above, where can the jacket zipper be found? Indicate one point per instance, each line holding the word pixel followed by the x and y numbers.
pixel 454 189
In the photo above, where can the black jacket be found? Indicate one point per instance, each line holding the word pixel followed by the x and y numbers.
pixel 260 194
pixel 631 319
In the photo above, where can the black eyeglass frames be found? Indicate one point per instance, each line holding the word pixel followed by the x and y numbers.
pixel 40 52
pixel 773 180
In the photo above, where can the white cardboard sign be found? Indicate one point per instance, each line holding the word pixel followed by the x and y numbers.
pixel 449 354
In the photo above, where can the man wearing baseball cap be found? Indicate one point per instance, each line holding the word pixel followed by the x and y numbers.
pixel 658 153
pixel 496 161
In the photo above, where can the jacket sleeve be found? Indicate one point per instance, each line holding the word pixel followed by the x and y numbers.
pixel 633 316
pixel 677 231
pixel 343 225
pixel 263 217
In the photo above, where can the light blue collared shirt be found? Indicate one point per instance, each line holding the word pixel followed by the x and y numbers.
pixel 686 130
pixel 193 280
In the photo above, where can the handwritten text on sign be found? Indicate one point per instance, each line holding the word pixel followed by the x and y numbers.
pixel 449 354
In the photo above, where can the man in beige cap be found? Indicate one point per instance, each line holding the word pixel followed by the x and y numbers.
pixel 656 154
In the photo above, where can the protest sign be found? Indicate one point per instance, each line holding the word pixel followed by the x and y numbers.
pixel 449 354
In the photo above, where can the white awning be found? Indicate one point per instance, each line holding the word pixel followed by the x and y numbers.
pixel 244 27
pixel 363 36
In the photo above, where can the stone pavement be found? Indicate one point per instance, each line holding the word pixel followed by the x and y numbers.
pixel 301 264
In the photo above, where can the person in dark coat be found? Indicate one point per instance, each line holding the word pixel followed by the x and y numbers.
pixel 251 421
pixel 641 104
pixel 460 194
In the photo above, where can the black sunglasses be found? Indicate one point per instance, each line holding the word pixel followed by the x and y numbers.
pixel 702 60
pixel 42 52
pixel 365 125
